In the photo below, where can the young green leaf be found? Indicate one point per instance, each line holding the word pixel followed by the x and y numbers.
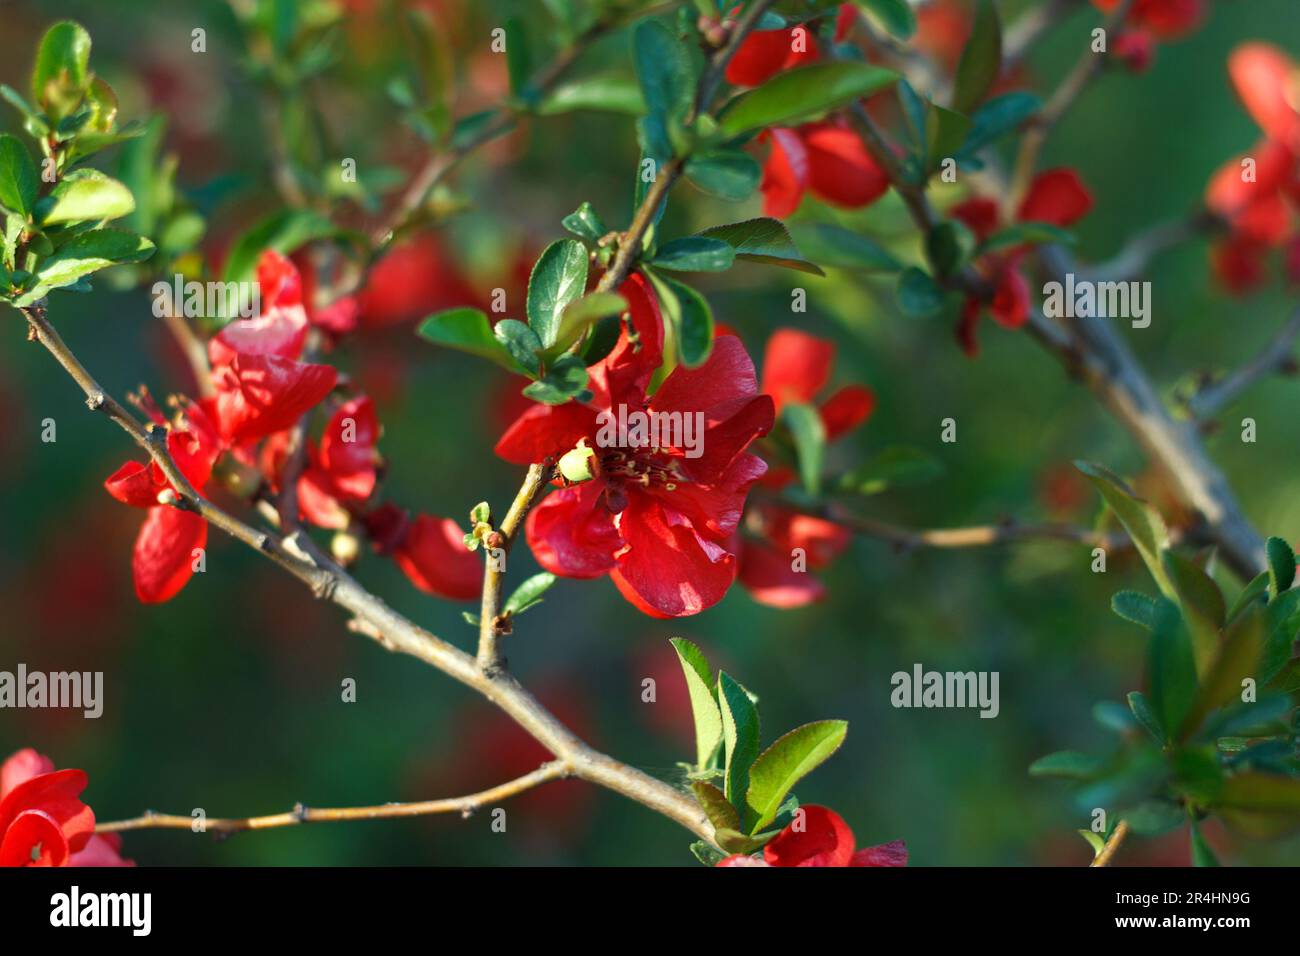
pixel 529 593
pixel 739 735
pixel 85 195
pixel 802 92
pixel 581 313
pixel 558 277
pixel 605 94
pixel 665 70
pixel 565 379
pixel 1146 716
pixel 949 245
pixel 1202 854
pixel 714 803
pixel 1066 763
pixel 19 181
pixel 945 131
pixel 1234 659
pixel 704 704
pixel 1202 604
pixel 893 467
pixel 518 62
pixel 467 330
pixel 690 316
pixel 86 253
pixel 1134 606
pixel 1143 522
pixel 62 71
pixel 1254 592
pixel 706 854
pixel 522 343
pixel 997 117
pixel 788 760
pixel 284 232
pixel 584 223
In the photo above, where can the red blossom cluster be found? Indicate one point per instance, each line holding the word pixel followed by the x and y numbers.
pixel 1258 194
pixel 262 387
pixel 43 821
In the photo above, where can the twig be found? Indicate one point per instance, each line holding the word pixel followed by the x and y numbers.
pixel 1085 69
pixel 494 571
pixel 196 353
pixel 1025 31
pixel 1112 845
pixel 974 536
pixel 466 806
pixel 1132 260
pixel 1277 356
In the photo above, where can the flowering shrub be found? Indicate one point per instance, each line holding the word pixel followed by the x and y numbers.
pixel 875 137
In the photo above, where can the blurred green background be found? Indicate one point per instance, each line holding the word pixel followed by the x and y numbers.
pixel 228 697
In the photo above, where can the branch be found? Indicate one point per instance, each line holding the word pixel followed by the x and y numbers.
pixel 1132 260
pixel 1112 845
pixel 466 806
pixel 1275 357
pixel 974 536
pixel 1025 31
pixel 376 620
pixel 491 626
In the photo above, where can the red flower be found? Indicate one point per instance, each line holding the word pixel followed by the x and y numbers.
pixel 1256 206
pixel 765 53
pixel 654 519
pixel 824 158
pixel 1163 19
pixel 257 395
pixel 819 837
pixel 163 560
pixel 343 470
pixel 280 328
pixel 767 561
pixel 43 822
pixel 432 554
pixel 1056 197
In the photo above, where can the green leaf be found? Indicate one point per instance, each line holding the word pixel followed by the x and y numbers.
pixel 1281 565
pixel 1202 604
pixel 559 276
pixel 85 195
pixel 763 240
pixel 948 246
pixel 998 117
pixel 606 94
pixel 565 379
pixel 1283 619
pixel 62 71
pixel 714 803
pixel 84 254
pixel 981 60
pixel 467 330
pixel 522 343
pixel 1171 667
pixel 1252 593
pixel 584 223
pixel 518 62
pixel 840 248
pixel 1260 804
pixel 1146 716
pixel 726 173
pixel 1066 763
pixel 1142 522
pixel 704 704
pixel 695 254
pixel 1134 606
pixel 1234 658
pixel 803 92
pixel 19 181
pixel 1095 840
pixel 529 593
pixel 917 294
pixel 581 313
pixel 284 232
pixel 664 69
pixel 689 315
pixel 896 16
pixel 788 760
pixel 739 735
pixel 809 433
pixel 1026 234
pixel 1202 854
pixel 893 467
pixel 945 131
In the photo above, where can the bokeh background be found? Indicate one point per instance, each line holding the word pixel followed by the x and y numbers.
pixel 228 697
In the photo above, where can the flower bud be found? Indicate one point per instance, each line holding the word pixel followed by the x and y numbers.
pixel 578 464
pixel 345 547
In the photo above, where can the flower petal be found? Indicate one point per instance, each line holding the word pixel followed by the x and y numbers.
pixel 163 561
pixel 846 409
pixel 840 170
pixel 796 366
pixel 824 840
pixel 770 578
pixel 893 853
pixel 260 394
pixel 785 173
pixel 435 559
pixel 1056 196
pixel 572 534
pixel 546 431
